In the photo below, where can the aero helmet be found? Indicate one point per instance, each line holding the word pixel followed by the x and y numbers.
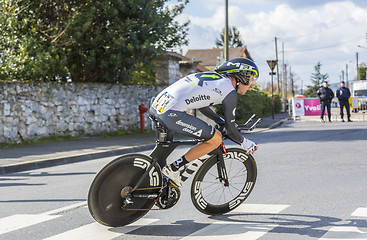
pixel 240 68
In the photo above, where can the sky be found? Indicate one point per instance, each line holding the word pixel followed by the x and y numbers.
pixel 312 31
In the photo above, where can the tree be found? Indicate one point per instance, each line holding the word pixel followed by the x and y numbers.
pixel 317 79
pixel 362 73
pixel 234 38
pixel 88 41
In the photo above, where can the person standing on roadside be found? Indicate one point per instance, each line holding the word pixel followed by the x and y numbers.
pixel 326 95
pixel 343 95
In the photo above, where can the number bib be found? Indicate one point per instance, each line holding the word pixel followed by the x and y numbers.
pixel 162 102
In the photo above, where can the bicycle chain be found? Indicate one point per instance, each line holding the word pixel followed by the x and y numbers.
pixel 151 209
pixel 142 189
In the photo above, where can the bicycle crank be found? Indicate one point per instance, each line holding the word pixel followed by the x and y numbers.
pixel 168 197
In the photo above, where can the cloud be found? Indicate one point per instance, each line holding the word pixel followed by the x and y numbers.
pixel 312 31
pixel 323 34
pixel 315 3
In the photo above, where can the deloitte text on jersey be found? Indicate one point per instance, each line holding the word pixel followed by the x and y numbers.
pixel 197 99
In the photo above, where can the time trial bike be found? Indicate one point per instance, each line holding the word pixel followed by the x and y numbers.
pixel 131 185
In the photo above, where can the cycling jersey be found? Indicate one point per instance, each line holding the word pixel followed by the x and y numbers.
pixel 199 91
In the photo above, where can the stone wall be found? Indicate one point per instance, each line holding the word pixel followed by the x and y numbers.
pixel 35 110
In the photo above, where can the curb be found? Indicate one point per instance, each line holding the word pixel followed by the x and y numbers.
pixel 279 123
pixel 70 159
pixel 274 125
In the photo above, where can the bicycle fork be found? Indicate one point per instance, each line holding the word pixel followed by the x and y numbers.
pixel 222 172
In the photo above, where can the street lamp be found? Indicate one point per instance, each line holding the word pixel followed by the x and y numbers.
pixel 361 47
pixel 272 64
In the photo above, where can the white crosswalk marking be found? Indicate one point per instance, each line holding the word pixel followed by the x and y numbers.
pixel 348 232
pixel 360 212
pixel 96 231
pixel 239 230
pixel 260 208
pixel 19 221
pixel 220 229
pixel 231 230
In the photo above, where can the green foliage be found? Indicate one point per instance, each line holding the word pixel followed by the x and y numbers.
pixel 362 73
pixel 254 101
pixel 317 78
pixel 88 41
pixel 234 38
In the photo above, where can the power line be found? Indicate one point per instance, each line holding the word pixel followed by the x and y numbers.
pixel 320 48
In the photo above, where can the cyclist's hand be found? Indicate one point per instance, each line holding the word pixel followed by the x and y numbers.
pixel 221 128
pixel 249 146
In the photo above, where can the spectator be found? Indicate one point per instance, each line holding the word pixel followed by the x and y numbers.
pixel 343 95
pixel 326 95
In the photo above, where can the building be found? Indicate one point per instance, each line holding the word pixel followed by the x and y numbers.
pixel 174 66
pixel 210 58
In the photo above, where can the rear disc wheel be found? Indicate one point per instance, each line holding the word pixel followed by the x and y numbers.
pixel 105 201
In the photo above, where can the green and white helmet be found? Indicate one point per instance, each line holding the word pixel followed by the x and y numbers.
pixel 240 68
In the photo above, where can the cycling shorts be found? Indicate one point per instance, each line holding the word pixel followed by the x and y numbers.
pixel 185 124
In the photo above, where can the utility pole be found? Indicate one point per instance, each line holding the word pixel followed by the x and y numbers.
pixel 276 58
pixel 285 87
pixel 357 66
pixel 346 74
pixel 292 82
pixel 226 52
pixel 284 82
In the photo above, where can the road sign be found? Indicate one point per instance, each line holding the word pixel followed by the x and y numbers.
pixel 272 64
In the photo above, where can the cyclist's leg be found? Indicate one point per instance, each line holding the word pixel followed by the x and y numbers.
pixel 204 147
pixel 183 123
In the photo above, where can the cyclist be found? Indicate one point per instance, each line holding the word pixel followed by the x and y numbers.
pixel 199 91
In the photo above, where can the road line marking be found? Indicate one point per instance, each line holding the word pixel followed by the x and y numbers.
pixel 19 221
pixel 360 212
pixel 67 208
pixel 260 208
pixel 96 231
pixel 231 230
pixel 350 233
pixel 239 230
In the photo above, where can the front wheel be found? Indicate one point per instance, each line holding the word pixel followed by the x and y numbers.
pixel 105 202
pixel 208 193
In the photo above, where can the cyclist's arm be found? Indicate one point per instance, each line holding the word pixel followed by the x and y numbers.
pixel 229 104
pixel 208 112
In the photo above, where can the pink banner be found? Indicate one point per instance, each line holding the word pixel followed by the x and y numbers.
pixel 313 107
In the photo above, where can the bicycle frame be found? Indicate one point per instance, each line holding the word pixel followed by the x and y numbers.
pixel 163 149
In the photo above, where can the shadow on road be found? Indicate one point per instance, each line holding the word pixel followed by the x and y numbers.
pixel 234 224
